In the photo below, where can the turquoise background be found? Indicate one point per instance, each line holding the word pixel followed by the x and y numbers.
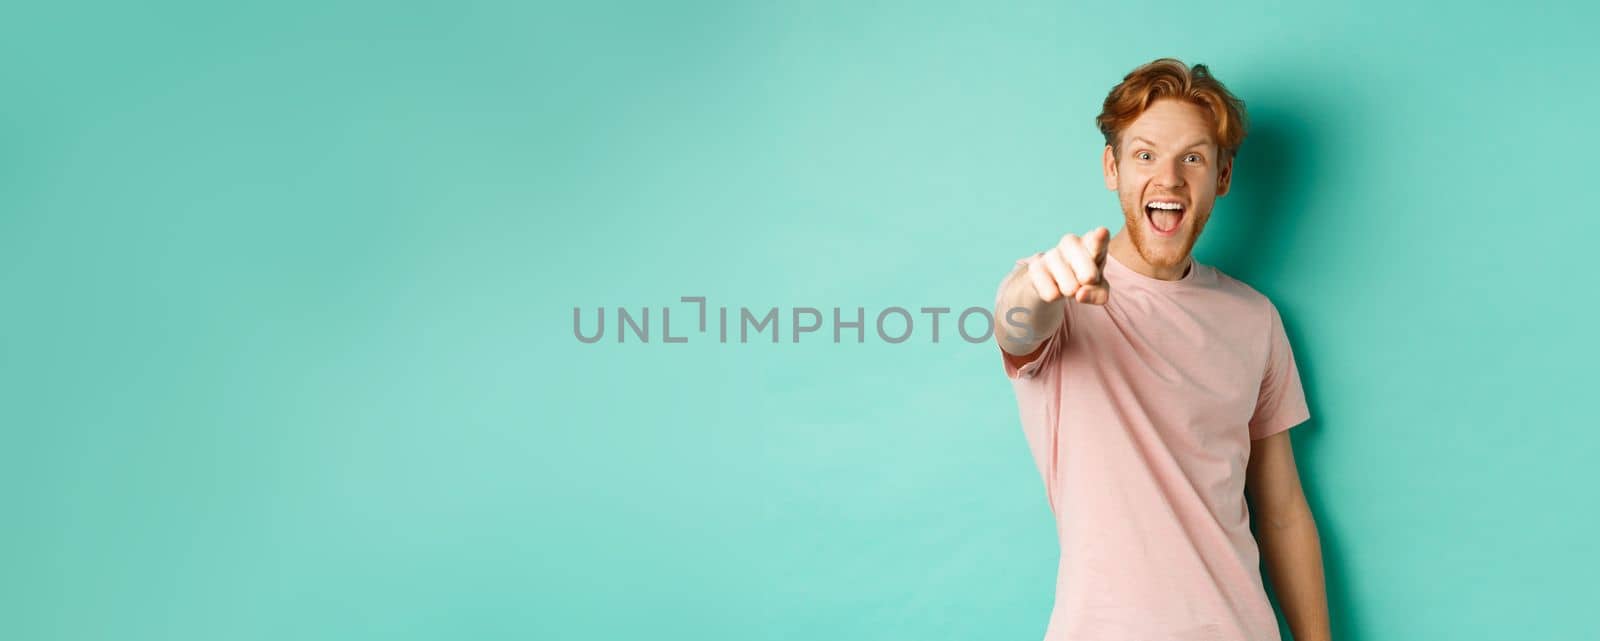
pixel 288 287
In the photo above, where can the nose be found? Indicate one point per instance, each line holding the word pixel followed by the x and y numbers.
pixel 1170 175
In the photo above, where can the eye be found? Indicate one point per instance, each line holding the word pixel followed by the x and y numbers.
pixel 1143 155
pixel 1193 158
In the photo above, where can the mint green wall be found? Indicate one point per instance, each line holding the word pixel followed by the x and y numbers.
pixel 288 353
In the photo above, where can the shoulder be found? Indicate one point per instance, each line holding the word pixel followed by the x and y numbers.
pixel 1240 291
pixel 1253 310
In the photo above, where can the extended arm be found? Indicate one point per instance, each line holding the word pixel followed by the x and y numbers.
pixel 1035 287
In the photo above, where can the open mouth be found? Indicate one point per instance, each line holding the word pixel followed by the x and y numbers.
pixel 1164 216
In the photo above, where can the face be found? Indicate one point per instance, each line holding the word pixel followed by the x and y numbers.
pixel 1167 174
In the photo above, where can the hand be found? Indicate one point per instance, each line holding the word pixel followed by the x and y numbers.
pixel 1073 268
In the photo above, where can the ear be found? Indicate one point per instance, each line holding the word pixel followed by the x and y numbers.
pixel 1108 163
pixel 1224 178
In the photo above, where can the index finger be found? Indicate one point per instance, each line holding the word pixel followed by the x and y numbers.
pixel 1097 242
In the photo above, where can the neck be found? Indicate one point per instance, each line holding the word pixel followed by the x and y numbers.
pixel 1121 247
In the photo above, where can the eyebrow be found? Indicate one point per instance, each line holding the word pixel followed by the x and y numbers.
pixel 1191 145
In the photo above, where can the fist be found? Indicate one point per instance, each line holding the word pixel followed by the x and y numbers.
pixel 1072 269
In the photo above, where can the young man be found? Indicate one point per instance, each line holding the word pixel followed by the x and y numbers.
pixel 1155 392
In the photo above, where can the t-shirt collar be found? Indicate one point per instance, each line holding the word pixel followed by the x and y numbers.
pixel 1188 278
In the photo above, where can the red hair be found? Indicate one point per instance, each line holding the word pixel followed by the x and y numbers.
pixel 1170 78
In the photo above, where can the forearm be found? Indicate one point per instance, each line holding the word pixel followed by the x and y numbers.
pixel 1293 552
pixel 1022 319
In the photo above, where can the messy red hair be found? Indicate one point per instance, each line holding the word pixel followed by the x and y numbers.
pixel 1170 78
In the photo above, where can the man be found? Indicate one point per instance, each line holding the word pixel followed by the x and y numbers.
pixel 1155 392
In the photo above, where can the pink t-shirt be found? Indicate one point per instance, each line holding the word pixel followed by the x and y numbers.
pixel 1139 415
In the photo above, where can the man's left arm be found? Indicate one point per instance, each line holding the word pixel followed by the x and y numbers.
pixel 1287 534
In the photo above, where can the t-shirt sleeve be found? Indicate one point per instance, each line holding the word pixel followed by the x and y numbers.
pixel 1021 367
pixel 1282 401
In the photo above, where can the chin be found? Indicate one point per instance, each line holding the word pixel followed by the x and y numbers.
pixel 1163 258
pixel 1163 252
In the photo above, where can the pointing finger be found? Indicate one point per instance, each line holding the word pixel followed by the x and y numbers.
pixel 1098 240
